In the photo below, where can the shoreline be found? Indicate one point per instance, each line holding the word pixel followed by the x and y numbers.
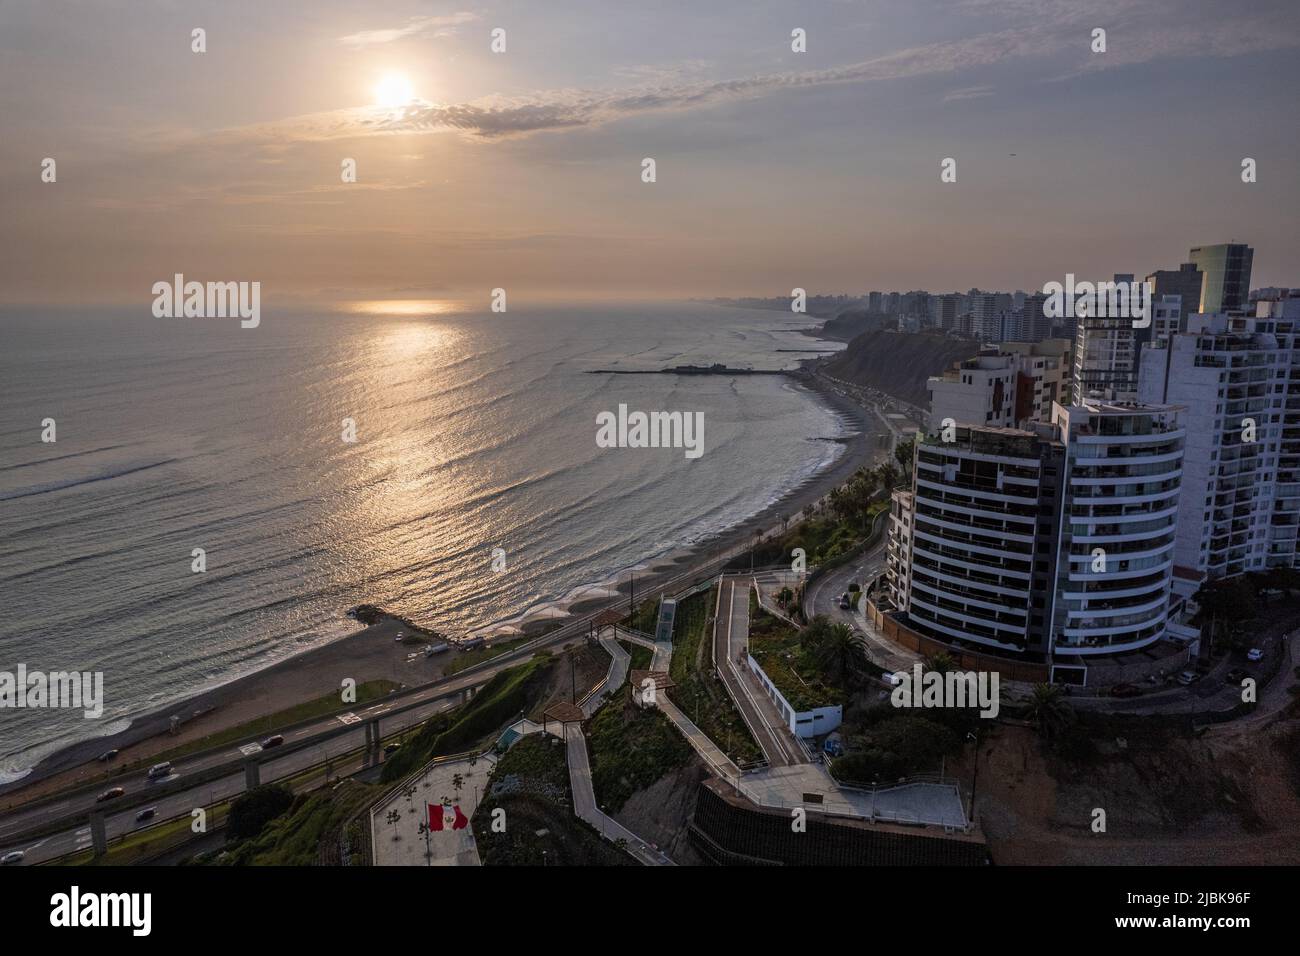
pixel 372 653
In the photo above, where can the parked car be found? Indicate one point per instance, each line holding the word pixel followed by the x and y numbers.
pixel 160 770
pixel 148 813
pixel 390 749
pixel 893 680
pixel 13 856
pixel 106 756
pixel 112 793
pixel 1188 677
pixel 1255 654
pixel 845 601
pixel 273 741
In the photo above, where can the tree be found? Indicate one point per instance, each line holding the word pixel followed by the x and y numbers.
pixel 1048 710
pixel 903 455
pixel 836 650
pixel 941 662
pixel 252 811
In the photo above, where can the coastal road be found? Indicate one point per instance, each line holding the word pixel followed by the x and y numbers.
pixel 730 645
pixel 823 597
pixel 305 745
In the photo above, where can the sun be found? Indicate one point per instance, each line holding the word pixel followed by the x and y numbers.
pixel 394 90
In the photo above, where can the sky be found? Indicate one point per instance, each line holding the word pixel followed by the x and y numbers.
pixel 522 169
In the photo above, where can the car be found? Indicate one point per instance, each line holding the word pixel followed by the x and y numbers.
pixel 148 813
pixel 112 793
pixel 1255 654
pixel 1125 690
pixel 400 637
pixel 13 856
pixel 106 756
pixel 391 749
pixel 1236 675
pixel 893 680
pixel 1188 677
pixel 845 602
pixel 273 741
pixel 160 770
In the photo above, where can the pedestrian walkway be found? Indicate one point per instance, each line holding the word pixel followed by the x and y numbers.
pixel 584 803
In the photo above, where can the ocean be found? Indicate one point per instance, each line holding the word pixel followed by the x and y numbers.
pixel 473 432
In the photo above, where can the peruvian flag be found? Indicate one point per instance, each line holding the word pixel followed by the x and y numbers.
pixel 447 816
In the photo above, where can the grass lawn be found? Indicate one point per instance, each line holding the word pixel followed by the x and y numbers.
pixel 775 645
pixel 631 747
pixel 370 690
pixel 478 655
pixel 699 693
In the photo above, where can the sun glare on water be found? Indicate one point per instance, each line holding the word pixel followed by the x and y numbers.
pixel 393 90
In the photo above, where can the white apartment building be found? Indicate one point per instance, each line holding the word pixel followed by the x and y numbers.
pixel 1007 386
pixel 979 566
pixel 1239 379
pixel 1118 517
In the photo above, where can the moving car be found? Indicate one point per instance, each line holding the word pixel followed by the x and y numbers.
pixel 1188 677
pixel 106 756
pixel 148 813
pixel 1255 654
pixel 893 680
pixel 13 856
pixel 273 741
pixel 112 793
pixel 160 770
pixel 391 749
pixel 845 601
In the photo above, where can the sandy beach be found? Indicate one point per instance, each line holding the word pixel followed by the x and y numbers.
pixel 372 653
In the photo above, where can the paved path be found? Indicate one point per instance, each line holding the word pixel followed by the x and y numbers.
pixel 823 598
pixel 584 802
pixel 619 662
pixel 730 642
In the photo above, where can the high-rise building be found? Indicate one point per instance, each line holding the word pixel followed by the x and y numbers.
pixel 1184 282
pixel 1054 542
pixel 948 313
pixel 1226 285
pixel 1240 504
pixel 1118 513
pixel 1105 354
pixel 1005 386
pixel 874 302
pixel 980 558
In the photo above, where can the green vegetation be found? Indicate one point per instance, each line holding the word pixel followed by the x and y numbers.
pixel 531 783
pixel 261 726
pixel 789 662
pixel 312 824
pixel 641 655
pixel 252 810
pixel 478 655
pixel 631 747
pixel 502 699
pixel 646 617
pixel 897 746
pixel 699 693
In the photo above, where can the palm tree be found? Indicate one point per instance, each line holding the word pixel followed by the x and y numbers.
pixel 941 662
pixel 1048 710
pixel 838 652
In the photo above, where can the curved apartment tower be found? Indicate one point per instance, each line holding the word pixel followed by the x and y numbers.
pixel 981 537
pixel 1119 510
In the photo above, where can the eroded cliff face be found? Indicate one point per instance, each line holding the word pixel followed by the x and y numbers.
pixel 898 362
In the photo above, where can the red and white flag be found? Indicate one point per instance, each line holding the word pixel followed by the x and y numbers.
pixel 447 816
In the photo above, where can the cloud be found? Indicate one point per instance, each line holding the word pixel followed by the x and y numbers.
pixel 1060 42
pixel 437 26
pixel 968 93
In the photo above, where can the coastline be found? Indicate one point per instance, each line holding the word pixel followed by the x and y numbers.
pixel 371 653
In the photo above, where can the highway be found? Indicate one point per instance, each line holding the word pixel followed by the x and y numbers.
pixel 48 828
